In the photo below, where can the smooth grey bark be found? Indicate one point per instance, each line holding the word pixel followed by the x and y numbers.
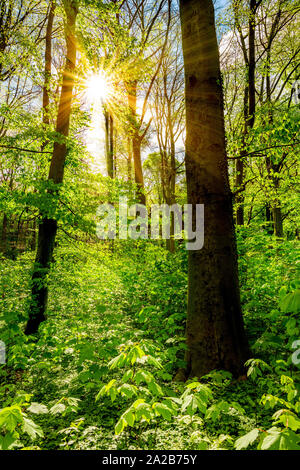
pixel 215 332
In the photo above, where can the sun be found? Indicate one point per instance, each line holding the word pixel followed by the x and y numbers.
pixel 98 87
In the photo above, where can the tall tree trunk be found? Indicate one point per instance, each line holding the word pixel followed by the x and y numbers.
pixel 249 107
pixel 271 167
pixel 138 170
pixel 136 141
pixel 277 218
pixel 172 180
pixel 4 233
pixel 48 226
pixel 251 65
pixel 239 177
pixel 276 212
pixel 48 60
pixel 6 221
pixel 32 243
pixel 111 145
pixel 109 148
pixel 269 220
pixel 129 159
pixel 215 333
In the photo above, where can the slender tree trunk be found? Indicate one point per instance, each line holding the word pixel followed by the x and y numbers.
pixel 5 221
pixel 276 213
pixel 172 181
pixel 48 60
pixel 111 145
pixel 277 218
pixel 269 220
pixel 136 141
pixel 33 237
pixel 271 167
pixel 106 121
pixel 129 159
pixel 249 109
pixel 4 233
pixel 251 66
pixel 138 170
pixel 215 333
pixel 239 178
pixel 48 226
pixel 109 148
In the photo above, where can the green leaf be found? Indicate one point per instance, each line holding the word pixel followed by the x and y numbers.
pixel 127 390
pixel 37 408
pixel 120 426
pixel 153 361
pixel 10 417
pixel 280 440
pixel 163 410
pixel 129 417
pixel 143 411
pixel 57 408
pixel 117 361
pixel 155 389
pixel 127 375
pixel 244 441
pixel 32 429
pixel 143 376
pixel 288 419
pixel 291 302
pixel 9 441
pixel 113 393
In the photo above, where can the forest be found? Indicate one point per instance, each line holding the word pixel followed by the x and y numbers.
pixel 149 225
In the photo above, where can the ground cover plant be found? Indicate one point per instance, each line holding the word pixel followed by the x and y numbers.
pixel 149 241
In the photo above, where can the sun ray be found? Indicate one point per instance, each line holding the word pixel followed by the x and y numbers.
pixel 98 88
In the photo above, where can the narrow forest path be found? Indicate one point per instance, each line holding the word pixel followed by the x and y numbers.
pixel 95 299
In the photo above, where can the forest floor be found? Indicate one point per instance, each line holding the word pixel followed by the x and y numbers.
pixel 103 305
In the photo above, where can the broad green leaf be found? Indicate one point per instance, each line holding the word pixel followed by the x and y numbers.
pixel 155 388
pixel 32 429
pixel 244 441
pixel 10 417
pixel 37 408
pixel 163 410
pixel 129 417
pixel 9 441
pixel 57 408
pixel 127 390
pixel 276 439
pixel 120 426
pixel 143 411
pixel 291 302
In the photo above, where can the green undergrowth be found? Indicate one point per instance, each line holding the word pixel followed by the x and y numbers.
pixel 99 375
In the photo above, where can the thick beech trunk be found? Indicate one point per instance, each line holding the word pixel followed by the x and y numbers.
pixel 215 333
pixel 48 227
